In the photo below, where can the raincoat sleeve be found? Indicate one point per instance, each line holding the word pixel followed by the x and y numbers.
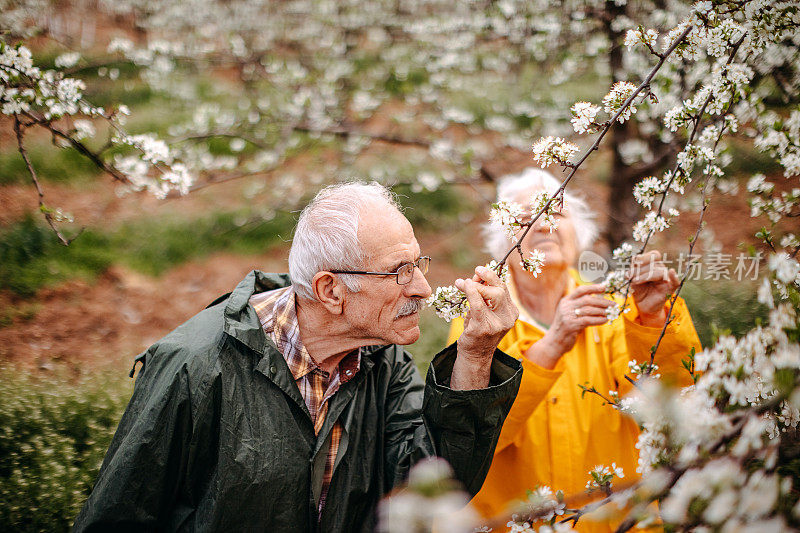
pixel 159 447
pixel 535 384
pixel 679 339
pixel 460 426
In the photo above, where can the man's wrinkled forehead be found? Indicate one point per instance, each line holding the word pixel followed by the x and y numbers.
pixel 386 234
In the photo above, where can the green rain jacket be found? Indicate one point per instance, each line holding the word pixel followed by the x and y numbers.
pixel 218 438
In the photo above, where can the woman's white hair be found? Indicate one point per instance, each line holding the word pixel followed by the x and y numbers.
pixel 326 237
pixel 530 179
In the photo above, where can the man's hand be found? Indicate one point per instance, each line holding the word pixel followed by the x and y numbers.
pixel 583 307
pixel 491 314
pixel 651 284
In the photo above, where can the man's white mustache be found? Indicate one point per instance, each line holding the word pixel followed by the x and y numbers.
pixel 410 307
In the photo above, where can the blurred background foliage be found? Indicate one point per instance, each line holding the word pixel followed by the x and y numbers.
pixel 54 432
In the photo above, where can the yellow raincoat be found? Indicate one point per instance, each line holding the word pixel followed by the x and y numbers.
pixel 557 441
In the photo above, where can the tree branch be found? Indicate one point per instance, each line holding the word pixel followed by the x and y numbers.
pixel 46 211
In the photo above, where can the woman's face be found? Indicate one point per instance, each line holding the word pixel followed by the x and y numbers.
pixel 559 246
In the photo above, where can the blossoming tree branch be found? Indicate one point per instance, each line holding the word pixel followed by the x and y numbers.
pixel 716 455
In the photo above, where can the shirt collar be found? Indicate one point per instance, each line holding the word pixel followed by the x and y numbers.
pixel 278 316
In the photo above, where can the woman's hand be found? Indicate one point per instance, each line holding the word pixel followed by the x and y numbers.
pixel 651 284
pixel 576 311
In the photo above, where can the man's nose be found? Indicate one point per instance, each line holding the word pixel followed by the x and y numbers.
pixel 418 287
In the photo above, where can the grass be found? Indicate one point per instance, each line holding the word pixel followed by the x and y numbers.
pixel 722 307
pixel 747 160
pixel 54 432
pixel 52 164
pixel 31 257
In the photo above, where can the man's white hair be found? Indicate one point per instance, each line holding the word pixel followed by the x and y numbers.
pixel 510 187
pixel 326 237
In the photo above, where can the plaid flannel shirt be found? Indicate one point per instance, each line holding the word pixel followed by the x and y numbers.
pixel 277 314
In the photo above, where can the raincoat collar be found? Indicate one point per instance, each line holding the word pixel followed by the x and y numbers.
pixel 241 320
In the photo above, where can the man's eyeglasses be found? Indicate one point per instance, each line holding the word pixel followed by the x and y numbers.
pixel 404 274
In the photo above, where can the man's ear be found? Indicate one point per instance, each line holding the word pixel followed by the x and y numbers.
pixel 329 291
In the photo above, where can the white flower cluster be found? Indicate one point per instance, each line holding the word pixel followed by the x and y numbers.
pixel 25 88
pixel 647 37
pixel 448 302
pixel 781 137
pixel 534 263
pixel 786 268
pixel 83 129
pixel 549 150
pixel 728 495
pixel 689 48
pixel 503 274
pixel 615 281
pixel 623 254
pixel 736 377
pixel 775 207
pixel 616 97
pixel 694 154
pixel 601 477
pixel 651 223
pixel 539 204
pixel 646 190
pixel 526 527
pixel 643 369
pixel 153 154
pixel 583 115
pixel 508 215
pixel 541 505
pixel 429 502
pixel 70 59
pixel 613 311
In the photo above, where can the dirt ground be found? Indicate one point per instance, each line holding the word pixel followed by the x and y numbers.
pixel 89 326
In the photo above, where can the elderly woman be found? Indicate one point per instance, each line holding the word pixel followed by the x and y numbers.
pixel 564 340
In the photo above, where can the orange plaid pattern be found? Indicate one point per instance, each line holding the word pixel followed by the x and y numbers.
pixel 277 314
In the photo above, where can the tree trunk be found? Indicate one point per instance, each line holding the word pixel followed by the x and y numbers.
pixel 623 211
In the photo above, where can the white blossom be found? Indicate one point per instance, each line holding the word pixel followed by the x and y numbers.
pixel 646 190
pixel 70 59
pixel 83 129
pixel 549 150
pixel 534 263
pixel 651 223
pixel 583 115
pixel 647 37
pixel 616 97
pixel 507 214
pixel 448 302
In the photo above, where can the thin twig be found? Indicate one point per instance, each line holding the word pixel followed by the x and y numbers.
pixel 18 130
pixel 685 276
pixel 694 240
pixel 79 146
pixel 574 166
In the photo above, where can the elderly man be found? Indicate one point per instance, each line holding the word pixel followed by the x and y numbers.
pixel 290 406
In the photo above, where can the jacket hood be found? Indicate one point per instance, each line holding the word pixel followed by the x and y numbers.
pixel 241 320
